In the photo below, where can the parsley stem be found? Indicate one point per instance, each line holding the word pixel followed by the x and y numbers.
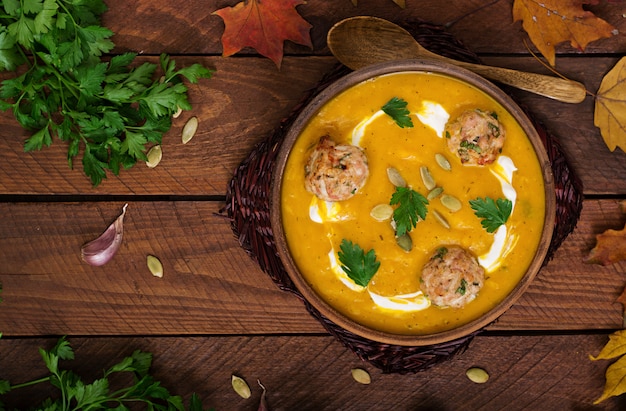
pixel 29 383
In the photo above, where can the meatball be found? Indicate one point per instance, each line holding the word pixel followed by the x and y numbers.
pixel 476 137
pixel 452 277
pixel 335 172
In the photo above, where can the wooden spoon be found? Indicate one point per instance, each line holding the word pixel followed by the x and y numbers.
pixel 360 41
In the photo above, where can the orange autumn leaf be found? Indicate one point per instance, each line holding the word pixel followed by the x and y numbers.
pixel 264 26
pixel 551 22
pixel 610 248
pixel 610 110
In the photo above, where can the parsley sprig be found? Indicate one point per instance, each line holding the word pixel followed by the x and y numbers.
pixel 396 109
pixel 111 111
pixel 98 395
pixel 493 213
pixel 356 263
pixel 411 207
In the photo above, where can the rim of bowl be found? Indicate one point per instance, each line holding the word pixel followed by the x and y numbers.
pixel 353 78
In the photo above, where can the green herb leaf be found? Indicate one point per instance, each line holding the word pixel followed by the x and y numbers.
pixel 493 213
pixel 411 207
pixel 396 109
pixel 111 112
pixel 74 394
pixel 359 266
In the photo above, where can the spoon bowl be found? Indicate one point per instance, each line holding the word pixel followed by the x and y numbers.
pixel 361 41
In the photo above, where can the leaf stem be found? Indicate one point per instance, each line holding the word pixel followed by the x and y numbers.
pixel 29 383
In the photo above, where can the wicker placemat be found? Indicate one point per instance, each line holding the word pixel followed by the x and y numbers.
pixel 247 205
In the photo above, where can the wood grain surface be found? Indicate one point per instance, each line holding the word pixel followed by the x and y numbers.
pixel 214 312
pixel 531 372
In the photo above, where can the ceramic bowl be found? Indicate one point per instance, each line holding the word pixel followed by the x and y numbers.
pixel 293 267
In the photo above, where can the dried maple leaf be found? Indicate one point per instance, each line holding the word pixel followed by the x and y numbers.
pixel 610 112
pixel 610 248
pixel 551 22
pixel 264 26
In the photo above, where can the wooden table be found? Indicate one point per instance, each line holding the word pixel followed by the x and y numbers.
pixel 215 313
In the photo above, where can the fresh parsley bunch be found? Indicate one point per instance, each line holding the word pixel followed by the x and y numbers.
pixel 77 395
pixel 108 110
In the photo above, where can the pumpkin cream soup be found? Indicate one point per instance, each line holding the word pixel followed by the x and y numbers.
pixel 412 203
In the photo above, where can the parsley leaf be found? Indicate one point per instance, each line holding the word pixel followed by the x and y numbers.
pixel 75 394
pixel 411 207
pixel 493 213
pixel 396 109
pixel 359 266
pixel 108 111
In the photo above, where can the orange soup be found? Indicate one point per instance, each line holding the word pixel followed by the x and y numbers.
pixel 392 300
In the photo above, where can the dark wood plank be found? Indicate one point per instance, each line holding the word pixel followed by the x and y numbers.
pixel 247 99
pixel 146 26
pixel 551 372
pixel 215 286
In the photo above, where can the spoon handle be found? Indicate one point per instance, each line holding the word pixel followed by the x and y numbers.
pixel 568 91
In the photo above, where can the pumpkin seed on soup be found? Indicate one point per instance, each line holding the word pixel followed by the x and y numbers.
pixel 381 212
pixel 405 242
pixel 434 193
pixel 395 177
pixel 441 219
pixel 443 162
pixel 451 203
pixel 427 178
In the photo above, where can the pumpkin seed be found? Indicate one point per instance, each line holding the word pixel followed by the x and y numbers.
pixel 361 376
pixel 381 212
pixel 427 178
pixel 240 386
pixel 451 203
pixel 441 219
pixel 155 266
pixel 405 242
pixel 434 193
pixel 154 156
pixel 477 375
pixel 189 129
pixel 178 112
pixel 443 162
pixel 395 177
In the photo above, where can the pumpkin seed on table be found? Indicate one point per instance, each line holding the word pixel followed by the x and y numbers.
pixel 427 178
pixel 451 203
pixel 240 386
pixel 361 376
pixel 477 375
pixel 189 129
pixel 395 177
pixel 443 162
pixel 381 212
pixel 155 154
pixel 155 266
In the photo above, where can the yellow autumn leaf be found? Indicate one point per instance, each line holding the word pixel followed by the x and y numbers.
pixel 616 347
pixel 610 111
pixel 615 380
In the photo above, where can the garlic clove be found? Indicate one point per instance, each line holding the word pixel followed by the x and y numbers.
pixel 100 251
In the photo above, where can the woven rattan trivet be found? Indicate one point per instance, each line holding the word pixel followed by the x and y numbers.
pixel 247 205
